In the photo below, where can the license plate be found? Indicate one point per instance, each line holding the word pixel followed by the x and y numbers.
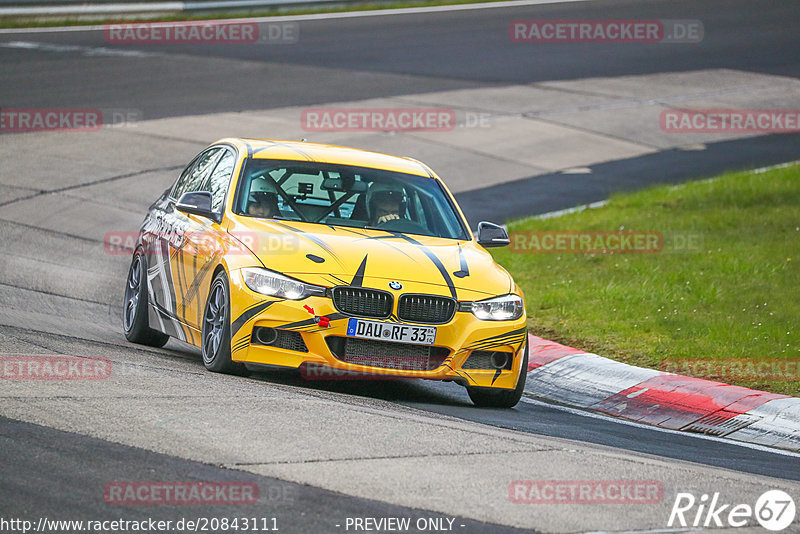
pixel 401 333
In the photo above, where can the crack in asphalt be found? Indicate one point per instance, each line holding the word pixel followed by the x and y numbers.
pixel 53 294
pixel 390 457
pixel 133 174
pixel 50 231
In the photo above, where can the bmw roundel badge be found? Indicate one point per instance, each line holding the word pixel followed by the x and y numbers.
pixel 395 285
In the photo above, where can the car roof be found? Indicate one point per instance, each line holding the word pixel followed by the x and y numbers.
pixel 319 152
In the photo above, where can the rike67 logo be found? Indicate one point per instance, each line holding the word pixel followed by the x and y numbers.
pixel 774 510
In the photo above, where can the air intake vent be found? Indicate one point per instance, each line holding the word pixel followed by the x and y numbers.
pixel 387 355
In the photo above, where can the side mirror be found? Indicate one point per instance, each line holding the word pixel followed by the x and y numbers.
pixel 197 203
pixel 492 235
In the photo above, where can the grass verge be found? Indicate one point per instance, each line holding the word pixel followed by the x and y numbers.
pixel 720 301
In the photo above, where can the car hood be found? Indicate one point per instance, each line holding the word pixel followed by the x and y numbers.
pixel 335 255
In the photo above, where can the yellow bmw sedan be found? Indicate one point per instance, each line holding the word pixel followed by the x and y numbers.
pixel 338 262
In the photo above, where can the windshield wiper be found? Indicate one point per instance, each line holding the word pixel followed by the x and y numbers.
pixel 376 228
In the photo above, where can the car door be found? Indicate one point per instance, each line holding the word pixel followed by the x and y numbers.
pixel 202 245
pixel 166 240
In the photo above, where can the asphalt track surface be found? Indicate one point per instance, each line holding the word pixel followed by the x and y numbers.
pixel 348 59
pixel 353 58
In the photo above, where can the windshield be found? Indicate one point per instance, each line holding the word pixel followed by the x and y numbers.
pixel 347 196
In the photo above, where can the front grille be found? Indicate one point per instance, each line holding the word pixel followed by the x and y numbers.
pixel 482 359
pixel 387 355
pixel 362 301
pixel 426 308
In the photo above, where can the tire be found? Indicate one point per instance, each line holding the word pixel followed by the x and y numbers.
pixel 216 341
pixel 501 398
pixel 134 307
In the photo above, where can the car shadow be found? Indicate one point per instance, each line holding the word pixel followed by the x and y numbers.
pixel 408 391
pixel 411 390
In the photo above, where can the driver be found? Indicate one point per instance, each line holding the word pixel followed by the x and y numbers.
pixel 263 198
pixel 385 202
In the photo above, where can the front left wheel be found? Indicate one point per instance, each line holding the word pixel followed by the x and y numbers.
pixel 134 312
pixel 217 329
pixel 501 398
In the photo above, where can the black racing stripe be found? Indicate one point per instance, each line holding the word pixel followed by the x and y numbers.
pixel 497 339
pixel 248 314
pixel 518 331
pixel 362 233
pixel 199 276
pixel 181 275
pixel 241 344
pixel 464 272
pixel 435 260
pixel 496 375
pixel 243 341
pixel 461 371
pixel 308 322
pixel 358 279
pixel 311 237
pixel 337 279
pixel 383 239
pixel 298 324
pixel 496 343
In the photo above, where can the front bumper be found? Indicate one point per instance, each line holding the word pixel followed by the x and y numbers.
pixel 316 355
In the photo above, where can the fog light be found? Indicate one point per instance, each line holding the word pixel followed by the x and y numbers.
pixel 499 360
pixel 266 335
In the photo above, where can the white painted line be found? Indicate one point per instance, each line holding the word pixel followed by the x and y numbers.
pixel 761 170
pixel 567 211
pixel 593 415
pixel 601 203
pixel 85 50
pixel 320 16
pixel 91 9
pixel 656 531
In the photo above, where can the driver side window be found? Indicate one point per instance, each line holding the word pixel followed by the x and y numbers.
pixel 194 175
pixel 218 183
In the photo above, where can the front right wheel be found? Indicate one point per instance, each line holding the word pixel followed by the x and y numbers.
pixel 501 398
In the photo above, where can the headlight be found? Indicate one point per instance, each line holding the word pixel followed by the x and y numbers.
pixel 505 308
pixel 276 285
